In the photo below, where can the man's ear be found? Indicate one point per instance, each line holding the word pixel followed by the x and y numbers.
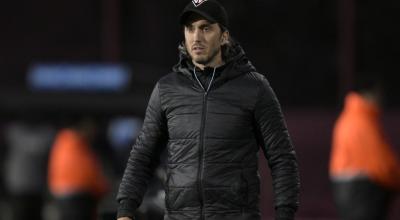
pixel 225 38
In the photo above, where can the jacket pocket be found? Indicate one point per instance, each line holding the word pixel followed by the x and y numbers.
pixel 224 198
pixel 181 199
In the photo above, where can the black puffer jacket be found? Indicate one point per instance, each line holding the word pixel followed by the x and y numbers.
pixel 213 138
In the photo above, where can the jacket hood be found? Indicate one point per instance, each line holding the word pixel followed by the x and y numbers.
pixel 236 63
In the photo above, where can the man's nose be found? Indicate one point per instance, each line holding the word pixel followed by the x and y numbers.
pixel 197 35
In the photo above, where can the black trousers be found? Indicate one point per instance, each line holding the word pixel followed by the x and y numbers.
pixel 360 199
pixel 26 206
pixel 77 207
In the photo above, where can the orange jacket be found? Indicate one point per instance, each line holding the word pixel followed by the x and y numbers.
pixel 359 145
pixel 73 167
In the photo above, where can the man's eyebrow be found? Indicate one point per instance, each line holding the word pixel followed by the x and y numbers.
pixel 205 25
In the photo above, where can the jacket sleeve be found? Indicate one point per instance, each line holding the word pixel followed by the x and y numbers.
pixel 144 158
pixel 273 137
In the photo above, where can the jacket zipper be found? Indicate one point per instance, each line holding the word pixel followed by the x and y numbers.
pixel 201 147
pixel 201 156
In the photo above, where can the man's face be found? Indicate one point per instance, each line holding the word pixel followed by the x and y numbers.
pixel 203 42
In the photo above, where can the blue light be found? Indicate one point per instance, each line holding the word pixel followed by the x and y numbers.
pixel 79 77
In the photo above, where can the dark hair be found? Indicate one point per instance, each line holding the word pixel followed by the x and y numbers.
pixel 227 49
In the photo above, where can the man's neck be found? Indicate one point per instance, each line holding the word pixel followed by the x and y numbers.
pixel 212 65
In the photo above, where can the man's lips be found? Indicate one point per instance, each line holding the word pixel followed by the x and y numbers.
pixel 197 49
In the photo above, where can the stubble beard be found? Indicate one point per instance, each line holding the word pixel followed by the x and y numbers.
pixel 207 59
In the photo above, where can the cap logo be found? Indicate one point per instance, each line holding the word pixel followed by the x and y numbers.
pixel 197 3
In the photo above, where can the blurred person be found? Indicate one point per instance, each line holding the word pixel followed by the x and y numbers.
pixel 76 179
pixel 28 143
pixel 363 168
pixel 212 114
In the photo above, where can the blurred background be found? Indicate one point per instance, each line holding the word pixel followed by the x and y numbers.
pixel 64 60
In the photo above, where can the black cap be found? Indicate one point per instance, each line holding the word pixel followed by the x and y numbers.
pixel 211 10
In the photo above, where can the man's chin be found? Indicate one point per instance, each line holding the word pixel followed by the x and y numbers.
pixel 201 61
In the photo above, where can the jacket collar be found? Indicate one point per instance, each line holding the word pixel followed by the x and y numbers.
pixel 236 64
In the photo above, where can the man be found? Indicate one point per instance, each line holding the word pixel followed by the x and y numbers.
pixel 363 168
pixel 213 113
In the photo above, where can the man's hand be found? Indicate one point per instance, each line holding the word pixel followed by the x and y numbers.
pixel 124 218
